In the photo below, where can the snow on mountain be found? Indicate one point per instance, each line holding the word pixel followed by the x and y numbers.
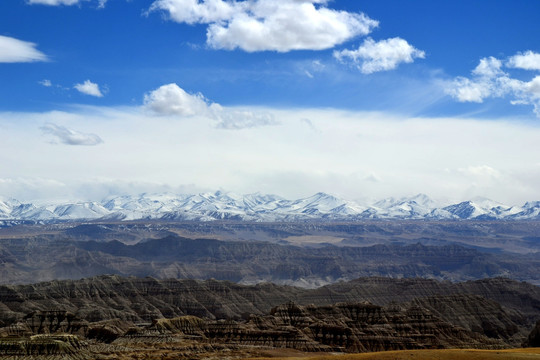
pixel 261 203
pixel 6 206
pixel 480 209
pixel 415 207
pixel 86 210
pixel 222 205
pixel 31 212
pixel 531 210
pixel 464 210
pixel 320 204
pixel 145 202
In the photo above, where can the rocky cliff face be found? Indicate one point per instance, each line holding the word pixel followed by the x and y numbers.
pixel 343 327
pixel 60 346
pixel 500 310
pixel 141 299
pixel 510 294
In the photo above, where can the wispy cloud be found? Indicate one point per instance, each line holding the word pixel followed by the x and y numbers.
pixel 382 55
pixel 480 171
pixel 55 2
pixel 241 119
pixel 101 3
pixel 172 100
pixel 490 80
pixel 14 51
pixel 45 82
pixel 275 25
pixel 67 136
pixel 89 88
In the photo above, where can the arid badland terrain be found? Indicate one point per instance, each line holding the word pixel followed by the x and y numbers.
pixel 166 290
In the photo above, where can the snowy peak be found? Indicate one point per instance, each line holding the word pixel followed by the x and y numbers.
pixel 87 210
pixel 481 209
pixel 465 210
pixel 221 205
pixel 531 210
pixel 415 207
pixel 422 200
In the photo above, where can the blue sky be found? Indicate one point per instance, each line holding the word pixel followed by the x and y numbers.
pixel 88 81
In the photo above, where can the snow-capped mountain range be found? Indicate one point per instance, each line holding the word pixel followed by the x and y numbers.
pixel 260 207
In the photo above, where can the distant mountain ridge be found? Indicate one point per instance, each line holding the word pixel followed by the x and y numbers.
pixel 261 207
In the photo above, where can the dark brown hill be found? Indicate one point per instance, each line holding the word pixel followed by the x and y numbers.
pixel 497 308
pixel 533 340
pixel 511 294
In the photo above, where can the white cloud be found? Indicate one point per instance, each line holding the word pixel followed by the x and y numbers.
pixel 45 82
pixel 404 155
pixel 172 100
pixel 465 90
pixel 89 88
pixel 382 55
pixel 241 119
pixel 14 51
pixel 311 68
pixel 480 171
pixel 70 137
pixel 54 2
pixel 373 178
pixel 275 25
pixel 195 12
pixel 488 68
pixel 528 60
pixel 101 3
pixel 489 80
pixel 309 124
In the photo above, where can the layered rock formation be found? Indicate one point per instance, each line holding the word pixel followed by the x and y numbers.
pixel 499 309
pixel 44 347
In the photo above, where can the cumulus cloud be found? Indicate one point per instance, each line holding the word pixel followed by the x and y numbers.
pixel 171 99
pixel 89 88
pixel 195 12
pixel 490 80
pixel 14 51
pixel 67 136
pixel 275 25
pixel 527 60
pixel 373 56
pixel 487 81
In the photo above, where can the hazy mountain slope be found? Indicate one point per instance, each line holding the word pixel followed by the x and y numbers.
pixel 42 258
